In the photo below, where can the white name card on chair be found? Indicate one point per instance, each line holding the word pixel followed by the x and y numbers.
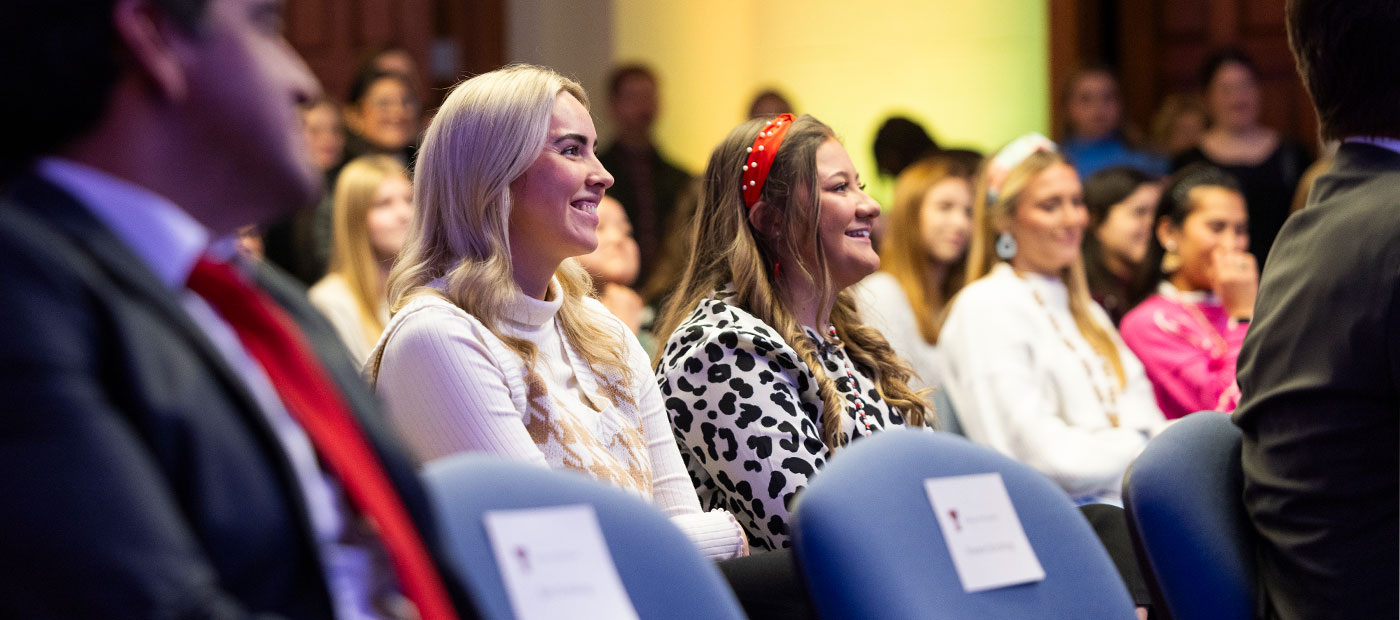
pixel 555 564
pixel 983 532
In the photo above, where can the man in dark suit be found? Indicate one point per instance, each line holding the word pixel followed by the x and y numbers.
pixel 158 462
pixel 1320 368
pixel 645 182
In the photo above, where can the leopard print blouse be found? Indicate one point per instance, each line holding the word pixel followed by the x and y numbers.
pixel 747 414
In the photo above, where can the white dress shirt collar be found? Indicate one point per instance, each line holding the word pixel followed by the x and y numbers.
pixel 160 233
pixel 1390 144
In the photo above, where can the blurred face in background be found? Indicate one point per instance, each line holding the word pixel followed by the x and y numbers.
pixel 1093 106
pixel 1049 221
pixel 1233 97
pixel 945 219
pixel 635 105
pixel 387 116
pixel 1126 231
pixel 1218 223
pixel 617 258
pixel 389 217
pixel 325 134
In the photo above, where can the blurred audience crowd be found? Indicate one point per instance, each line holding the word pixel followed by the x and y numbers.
pixel 508 284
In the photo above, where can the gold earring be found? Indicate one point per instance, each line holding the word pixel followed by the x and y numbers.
pixel 1171 261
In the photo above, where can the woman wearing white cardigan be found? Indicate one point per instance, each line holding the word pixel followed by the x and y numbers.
pixel 1032 364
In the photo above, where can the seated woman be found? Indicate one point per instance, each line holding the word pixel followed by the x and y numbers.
pixel 767 366
pixel 922 262
pixel 1189 334
pixel 614 265
pixel 381 114
pixel 1120 202
pixel 495 345
pixel 1032 364
pixel 1266 164
pixel 372 209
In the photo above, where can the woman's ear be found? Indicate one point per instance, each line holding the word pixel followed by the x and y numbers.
pixel 766 219
pixel 1166 232
pixel 155 46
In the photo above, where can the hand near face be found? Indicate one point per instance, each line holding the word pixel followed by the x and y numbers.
pixel 1235 277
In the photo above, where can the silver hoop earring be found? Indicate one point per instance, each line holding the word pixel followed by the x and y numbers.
pixel 1006 246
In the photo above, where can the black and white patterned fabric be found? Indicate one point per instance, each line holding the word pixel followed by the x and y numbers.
pixel 747 413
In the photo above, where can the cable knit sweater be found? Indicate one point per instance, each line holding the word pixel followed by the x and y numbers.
pixel 450 385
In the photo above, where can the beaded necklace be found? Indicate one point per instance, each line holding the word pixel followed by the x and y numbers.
pixel 825 348
pixel 1109 400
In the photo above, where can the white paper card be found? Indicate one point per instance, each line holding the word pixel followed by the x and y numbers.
pixel 984 534
pixel 555 564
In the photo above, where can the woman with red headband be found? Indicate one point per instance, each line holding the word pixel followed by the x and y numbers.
pixel 767 366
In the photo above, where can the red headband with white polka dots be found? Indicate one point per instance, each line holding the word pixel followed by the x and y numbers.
pixel 761 154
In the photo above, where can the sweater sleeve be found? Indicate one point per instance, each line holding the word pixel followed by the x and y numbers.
pixel 735 399
pixel 333 301
pixel 716 533
pixel 446 388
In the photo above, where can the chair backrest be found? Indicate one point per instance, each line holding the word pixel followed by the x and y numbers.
pixel 948 421
pixel 1183 497
pixel 870 546
pixel 664 574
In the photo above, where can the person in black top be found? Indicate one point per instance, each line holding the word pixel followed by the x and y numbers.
pixel 1266 164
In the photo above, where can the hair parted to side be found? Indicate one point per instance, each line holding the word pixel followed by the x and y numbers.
pixel 903 254
pixel 487 133
pixel 990 218
pixel 726 249
pixel 1347 56
pixel 352 256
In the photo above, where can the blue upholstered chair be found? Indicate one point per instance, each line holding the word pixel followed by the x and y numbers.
pixel 1194 541
pixel 664 574
pixel 869 544
pixel 948 421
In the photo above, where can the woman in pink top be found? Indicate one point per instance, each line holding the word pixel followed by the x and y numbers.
pixel 1189 333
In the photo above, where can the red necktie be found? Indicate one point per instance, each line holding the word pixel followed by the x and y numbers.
pixel 275 341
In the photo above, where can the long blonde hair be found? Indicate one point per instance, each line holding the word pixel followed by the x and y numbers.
pixel 726 249
pixel 352 256
pixel 903 253
pixel 990 218
pixel 488 132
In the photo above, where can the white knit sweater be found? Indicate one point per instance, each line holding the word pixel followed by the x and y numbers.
pixel 449 385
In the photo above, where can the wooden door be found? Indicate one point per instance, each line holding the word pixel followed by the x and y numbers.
pixel 1158 47
pixel 1164 42
pixel 447 38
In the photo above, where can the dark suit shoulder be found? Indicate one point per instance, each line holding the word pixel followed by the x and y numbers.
pixel 1319 375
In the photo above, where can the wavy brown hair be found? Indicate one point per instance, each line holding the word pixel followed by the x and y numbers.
pixel 726 249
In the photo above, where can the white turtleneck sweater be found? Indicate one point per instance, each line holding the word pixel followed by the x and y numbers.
pixel 1032 387
pixel 449 385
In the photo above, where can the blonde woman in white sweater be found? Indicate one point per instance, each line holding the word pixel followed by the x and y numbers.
pixel 495 345
pixel 1032 364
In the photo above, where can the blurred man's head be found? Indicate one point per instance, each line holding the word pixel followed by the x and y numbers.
pixel 633 101
pixel 1347 56
pixel 210 87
